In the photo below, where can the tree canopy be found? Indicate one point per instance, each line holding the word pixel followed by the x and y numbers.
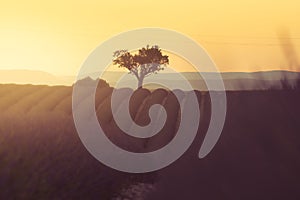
pixel 148 60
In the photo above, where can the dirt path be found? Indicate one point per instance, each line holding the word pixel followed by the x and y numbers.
pixel 137 191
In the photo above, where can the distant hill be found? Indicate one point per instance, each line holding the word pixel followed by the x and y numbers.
pixel 232 80
pixel 34 77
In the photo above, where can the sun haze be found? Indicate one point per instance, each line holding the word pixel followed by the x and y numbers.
pixel 57 36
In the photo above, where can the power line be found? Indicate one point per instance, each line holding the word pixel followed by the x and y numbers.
pixel 249 44
pixel 246 37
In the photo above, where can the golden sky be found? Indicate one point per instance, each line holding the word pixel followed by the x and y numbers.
pixel 57 36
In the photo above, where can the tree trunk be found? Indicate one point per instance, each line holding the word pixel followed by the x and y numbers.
pixel 140 82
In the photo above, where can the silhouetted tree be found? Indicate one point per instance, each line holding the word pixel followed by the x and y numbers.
pixel 148 60
pixel 102 83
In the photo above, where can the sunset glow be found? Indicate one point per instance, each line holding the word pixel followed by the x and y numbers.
pixel 57 36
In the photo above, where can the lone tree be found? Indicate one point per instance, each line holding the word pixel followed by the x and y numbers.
pixel 148 60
